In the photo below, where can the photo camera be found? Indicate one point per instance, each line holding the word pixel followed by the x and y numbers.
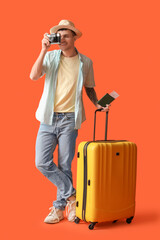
pixel 54 38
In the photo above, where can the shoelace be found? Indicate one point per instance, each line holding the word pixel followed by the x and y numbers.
pixel 69 207
pixel 53 211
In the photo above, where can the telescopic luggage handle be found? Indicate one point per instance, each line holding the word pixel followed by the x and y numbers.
pixel 99 110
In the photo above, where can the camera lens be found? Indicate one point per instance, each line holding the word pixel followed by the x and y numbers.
pixel 54 38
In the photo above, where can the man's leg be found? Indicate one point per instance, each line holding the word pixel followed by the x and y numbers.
pixel 45 146
pixel 66 151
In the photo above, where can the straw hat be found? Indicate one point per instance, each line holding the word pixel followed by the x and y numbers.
pixel 66 24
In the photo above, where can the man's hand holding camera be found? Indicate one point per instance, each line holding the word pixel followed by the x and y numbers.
pixel 45 42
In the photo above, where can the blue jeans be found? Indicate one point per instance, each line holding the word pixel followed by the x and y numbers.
pixel 61 132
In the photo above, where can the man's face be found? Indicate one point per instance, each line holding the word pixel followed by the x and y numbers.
pixel 67 40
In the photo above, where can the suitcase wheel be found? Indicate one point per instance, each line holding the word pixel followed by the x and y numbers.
pixel 91 226
pixel 129 220
pixel 76 220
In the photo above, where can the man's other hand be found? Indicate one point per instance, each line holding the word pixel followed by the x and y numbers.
pixel 104 109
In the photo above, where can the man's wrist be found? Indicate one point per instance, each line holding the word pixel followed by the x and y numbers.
pixel 98 106
pixel 43 51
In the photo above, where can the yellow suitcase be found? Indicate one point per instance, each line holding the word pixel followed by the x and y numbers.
pixel 106 180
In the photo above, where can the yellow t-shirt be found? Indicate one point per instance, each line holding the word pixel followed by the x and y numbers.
pixel 66 84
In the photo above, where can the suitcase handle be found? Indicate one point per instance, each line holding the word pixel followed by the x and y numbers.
pixel 99 110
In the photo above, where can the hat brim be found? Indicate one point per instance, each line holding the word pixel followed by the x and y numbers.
pixel 56 28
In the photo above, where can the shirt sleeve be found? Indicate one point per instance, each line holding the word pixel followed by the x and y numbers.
pixel 45 64
pixel 89 81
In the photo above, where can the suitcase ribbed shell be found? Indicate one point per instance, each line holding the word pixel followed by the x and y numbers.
pixel 110 181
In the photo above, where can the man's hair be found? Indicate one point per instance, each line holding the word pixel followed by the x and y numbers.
pixel 74 34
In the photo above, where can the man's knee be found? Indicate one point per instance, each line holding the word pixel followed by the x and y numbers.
pixel 39 165
pixel 42 165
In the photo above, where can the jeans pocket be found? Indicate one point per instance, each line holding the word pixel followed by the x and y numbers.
pixel 70 116
pixel 68 121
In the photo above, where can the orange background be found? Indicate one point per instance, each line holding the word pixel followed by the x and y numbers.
pixel 122 38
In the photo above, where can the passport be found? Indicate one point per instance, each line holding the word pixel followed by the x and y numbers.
pixel 108 98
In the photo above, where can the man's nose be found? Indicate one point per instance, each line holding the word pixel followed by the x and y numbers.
pixel 62 38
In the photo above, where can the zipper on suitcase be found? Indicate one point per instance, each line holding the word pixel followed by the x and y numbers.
pixel 85 181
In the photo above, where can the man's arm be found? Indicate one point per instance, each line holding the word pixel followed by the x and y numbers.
pixel 36 71
pixel 93 97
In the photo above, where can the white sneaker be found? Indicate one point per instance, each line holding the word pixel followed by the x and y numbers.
pixel 71 210
pixel 54 216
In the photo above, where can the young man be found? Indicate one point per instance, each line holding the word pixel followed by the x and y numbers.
pixel 61 112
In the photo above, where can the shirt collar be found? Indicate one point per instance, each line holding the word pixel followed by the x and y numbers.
pixel 79 55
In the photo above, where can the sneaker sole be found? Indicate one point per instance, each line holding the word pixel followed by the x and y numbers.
pixel 54 221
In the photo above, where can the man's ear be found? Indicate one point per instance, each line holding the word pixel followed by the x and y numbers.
pixel 75 38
